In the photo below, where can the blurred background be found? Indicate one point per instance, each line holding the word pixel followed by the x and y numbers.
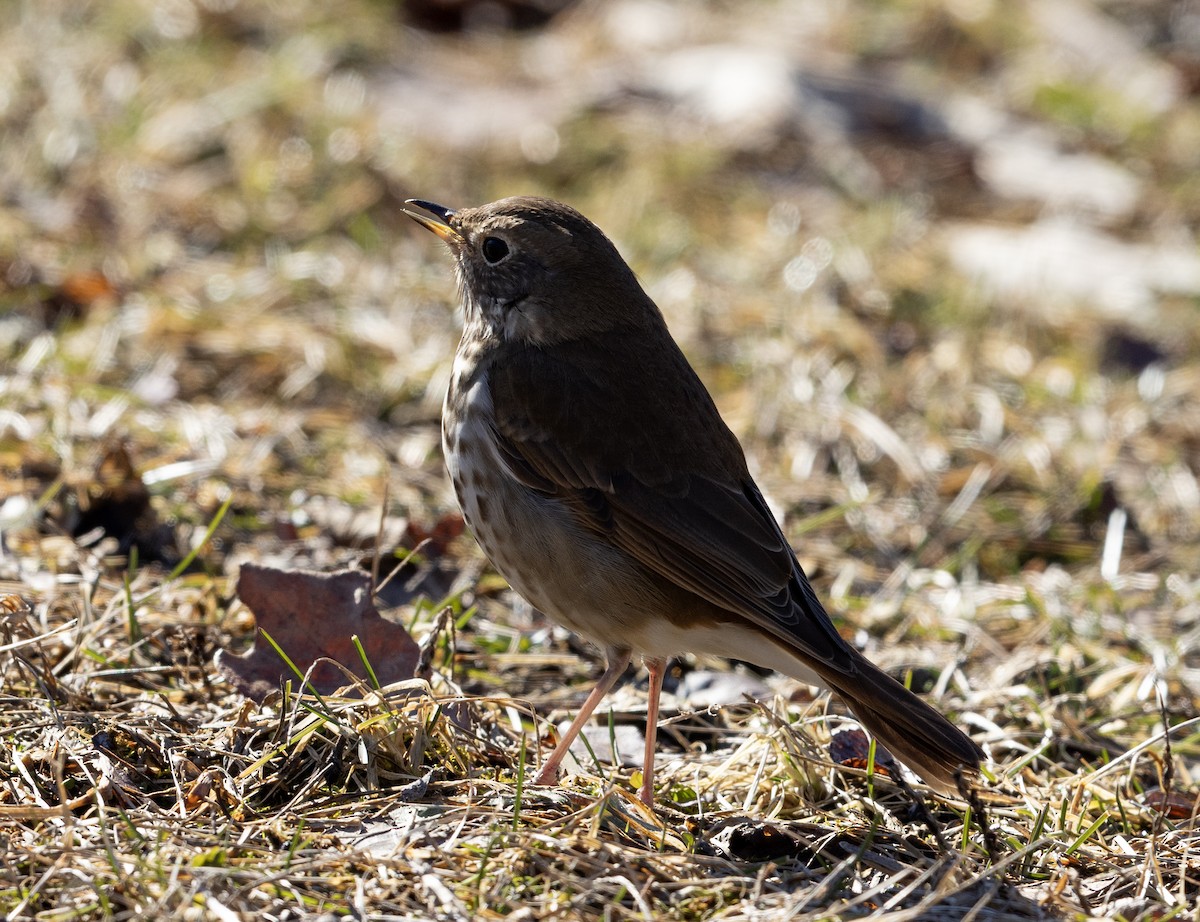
pixel 935 258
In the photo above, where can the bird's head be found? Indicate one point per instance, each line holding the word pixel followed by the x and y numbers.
pixel 535 271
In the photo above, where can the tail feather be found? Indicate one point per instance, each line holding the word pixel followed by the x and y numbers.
pixel 913 731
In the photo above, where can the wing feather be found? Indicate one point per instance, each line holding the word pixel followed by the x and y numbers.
pixel 705 529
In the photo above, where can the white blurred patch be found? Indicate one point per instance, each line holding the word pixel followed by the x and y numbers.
pixel 1059 260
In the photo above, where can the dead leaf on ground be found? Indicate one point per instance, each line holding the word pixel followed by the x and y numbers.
pixel 852 748
pixel 76 293
pixel 117 503
pixel 1175 805
pixel 439 536
pixel 313 616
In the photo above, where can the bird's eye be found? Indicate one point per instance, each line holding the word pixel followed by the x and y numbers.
pixel 494 249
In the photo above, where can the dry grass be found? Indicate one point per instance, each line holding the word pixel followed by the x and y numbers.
pixel 205 263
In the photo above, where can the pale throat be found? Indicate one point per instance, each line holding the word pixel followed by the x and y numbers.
pixel 493 320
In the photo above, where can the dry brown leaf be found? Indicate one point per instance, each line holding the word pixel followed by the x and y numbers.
pixel 1175 805
pixel 314 616
pixel 852 748
pixel 117 502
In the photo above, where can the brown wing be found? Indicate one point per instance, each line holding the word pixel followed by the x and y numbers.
pixel 676 494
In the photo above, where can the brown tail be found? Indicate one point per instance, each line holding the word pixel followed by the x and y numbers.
pixel 912 731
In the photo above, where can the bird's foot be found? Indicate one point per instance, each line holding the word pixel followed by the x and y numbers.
pixel 547 776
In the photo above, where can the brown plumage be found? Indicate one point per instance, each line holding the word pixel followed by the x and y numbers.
pixel 594 469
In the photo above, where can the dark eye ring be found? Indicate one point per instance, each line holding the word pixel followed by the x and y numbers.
pixel 494 249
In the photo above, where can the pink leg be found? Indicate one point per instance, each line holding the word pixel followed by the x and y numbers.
pixel 617 661
pixel 657 669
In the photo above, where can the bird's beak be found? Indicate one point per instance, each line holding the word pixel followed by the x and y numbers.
pixel 440 225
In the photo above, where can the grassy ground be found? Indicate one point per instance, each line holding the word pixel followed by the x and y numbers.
pixel 219 335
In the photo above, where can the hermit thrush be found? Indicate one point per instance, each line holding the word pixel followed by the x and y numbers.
pixel 594 469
